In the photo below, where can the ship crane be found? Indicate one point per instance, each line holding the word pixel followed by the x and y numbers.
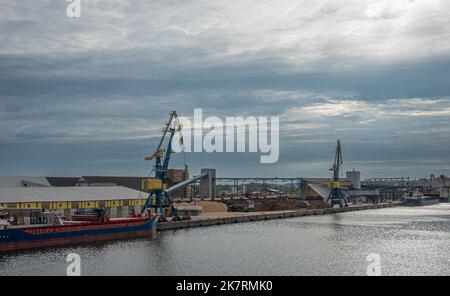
pixel 336 195
pixel 158 197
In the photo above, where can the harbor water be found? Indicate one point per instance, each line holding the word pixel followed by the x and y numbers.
pixel 408 241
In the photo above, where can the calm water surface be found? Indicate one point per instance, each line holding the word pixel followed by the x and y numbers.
pixel 410 241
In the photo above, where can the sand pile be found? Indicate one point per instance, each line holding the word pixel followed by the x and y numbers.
pixel 317 204
pixel 212 206
pixel 183 204
pixel 278 205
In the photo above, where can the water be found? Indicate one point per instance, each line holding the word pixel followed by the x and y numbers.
pixel 410 241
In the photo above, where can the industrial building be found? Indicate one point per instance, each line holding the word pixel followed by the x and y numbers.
pixel 29 199
pixel 395 188
pixel 355 178
pixel 26 204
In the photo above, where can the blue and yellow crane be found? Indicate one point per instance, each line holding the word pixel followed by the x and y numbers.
pixel 336 195
pixel 158 197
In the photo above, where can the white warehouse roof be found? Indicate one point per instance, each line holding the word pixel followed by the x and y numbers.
pixel 77 193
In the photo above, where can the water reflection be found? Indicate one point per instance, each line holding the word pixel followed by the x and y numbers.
pixel 410 241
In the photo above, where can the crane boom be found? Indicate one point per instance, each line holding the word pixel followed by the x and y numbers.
pixel 336 194
pixel 337 162
pixel 156 186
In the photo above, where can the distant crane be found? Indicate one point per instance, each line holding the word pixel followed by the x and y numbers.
pixel 336 195
pixel 158 197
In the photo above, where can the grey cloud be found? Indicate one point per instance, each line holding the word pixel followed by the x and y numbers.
pixel 99 88
pixel 417 78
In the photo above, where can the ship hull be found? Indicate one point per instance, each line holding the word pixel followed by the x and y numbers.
pixel 421 202
pixel 42 237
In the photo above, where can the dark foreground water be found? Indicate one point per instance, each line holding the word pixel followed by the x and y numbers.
pixel 410 241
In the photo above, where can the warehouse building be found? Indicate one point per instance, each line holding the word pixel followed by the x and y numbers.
pixel 26 204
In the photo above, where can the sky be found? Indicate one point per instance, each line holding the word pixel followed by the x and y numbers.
pixel 89 95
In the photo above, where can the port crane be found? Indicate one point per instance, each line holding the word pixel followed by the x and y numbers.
pixel 159 197
pixel 336 195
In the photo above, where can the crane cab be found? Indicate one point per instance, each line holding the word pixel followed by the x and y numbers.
pixel 151 184
pixel 335 185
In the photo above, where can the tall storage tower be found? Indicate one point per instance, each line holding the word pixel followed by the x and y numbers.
pixel 355 178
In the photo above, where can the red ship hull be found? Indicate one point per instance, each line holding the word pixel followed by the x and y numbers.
pixel 42 237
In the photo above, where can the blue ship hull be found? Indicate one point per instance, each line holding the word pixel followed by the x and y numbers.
pixel 420 201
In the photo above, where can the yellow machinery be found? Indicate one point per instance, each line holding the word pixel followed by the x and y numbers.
pixel 150 184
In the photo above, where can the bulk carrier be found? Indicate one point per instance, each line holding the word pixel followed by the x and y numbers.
pixel 84 228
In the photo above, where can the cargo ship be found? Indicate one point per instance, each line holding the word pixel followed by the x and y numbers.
pixel 84 228
pixel 420 199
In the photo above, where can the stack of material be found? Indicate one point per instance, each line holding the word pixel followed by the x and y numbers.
pixel 176 176
pixel 182 204
pixel 278 205
pixel 317 204
pixel 188 209
pixel 212 207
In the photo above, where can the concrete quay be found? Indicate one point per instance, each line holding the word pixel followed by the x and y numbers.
pixel 238 217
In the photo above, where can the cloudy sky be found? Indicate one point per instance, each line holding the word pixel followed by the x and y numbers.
pixel 87 96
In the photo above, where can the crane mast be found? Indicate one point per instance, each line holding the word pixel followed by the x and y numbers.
pixel 336 195
pixel 158 198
